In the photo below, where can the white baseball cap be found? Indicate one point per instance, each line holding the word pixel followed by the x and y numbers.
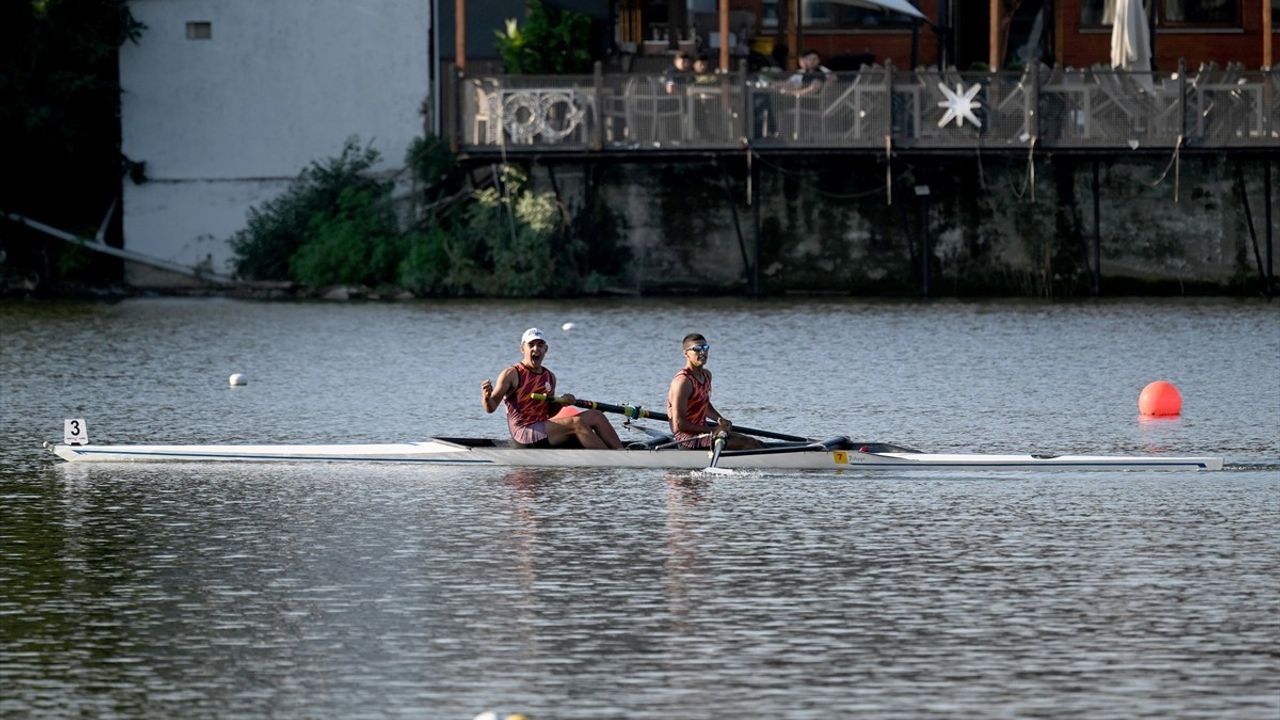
pixel 532 334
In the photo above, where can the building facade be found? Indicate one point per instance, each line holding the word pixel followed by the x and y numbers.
pixel 225 101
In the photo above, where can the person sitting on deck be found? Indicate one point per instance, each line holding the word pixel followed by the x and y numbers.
pixel 535 423
pixel 811 76
pixel 689 402
pixel 679 74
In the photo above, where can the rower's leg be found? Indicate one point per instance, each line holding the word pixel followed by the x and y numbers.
pixel 600 425
pixel 738 441
pixel 560 429
pixel 591 428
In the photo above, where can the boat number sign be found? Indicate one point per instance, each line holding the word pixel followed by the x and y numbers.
pixel 840 457
pixel 75 432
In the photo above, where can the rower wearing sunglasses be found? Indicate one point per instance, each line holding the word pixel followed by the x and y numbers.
pixel 689 402
pixel 533 423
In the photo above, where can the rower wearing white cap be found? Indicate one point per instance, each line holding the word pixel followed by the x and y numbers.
pixel 533 423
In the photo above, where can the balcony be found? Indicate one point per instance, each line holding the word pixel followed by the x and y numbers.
pixel 1045 109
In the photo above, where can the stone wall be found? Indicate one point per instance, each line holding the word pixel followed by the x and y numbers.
pixel 991 225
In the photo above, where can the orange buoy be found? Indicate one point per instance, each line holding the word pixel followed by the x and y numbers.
pixel 1159 399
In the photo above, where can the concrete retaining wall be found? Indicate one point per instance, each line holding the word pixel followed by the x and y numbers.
pixel 826 225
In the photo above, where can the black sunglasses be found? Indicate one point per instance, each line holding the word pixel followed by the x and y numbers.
pixel 699 348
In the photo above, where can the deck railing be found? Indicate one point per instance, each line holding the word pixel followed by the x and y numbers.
pixel 1052 108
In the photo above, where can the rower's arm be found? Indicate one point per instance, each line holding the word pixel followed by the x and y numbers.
pixel 491 395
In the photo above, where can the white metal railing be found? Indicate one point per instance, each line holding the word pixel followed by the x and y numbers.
pixel 1209 107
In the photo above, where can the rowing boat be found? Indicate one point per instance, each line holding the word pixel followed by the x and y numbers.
pixel 835 454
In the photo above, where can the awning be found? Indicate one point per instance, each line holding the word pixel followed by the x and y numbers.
pixel 898 6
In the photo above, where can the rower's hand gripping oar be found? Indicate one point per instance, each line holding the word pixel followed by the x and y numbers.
pixel 635 412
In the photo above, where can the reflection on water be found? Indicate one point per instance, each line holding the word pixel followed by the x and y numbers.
pixel 349 591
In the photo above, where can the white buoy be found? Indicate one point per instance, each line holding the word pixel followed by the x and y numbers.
pixel 238 380
pixel 568 326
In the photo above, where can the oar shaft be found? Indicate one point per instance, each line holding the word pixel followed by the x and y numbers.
pixel 632 411
pixel 636 412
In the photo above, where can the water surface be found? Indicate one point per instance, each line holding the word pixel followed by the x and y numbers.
pixel 370 591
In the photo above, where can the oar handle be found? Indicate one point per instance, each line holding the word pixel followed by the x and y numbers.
pixel 636 412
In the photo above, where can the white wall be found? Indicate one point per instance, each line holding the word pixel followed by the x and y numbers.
pixel 224 123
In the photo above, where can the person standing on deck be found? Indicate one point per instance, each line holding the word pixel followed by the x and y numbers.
pixel 689 402
pixel 533 423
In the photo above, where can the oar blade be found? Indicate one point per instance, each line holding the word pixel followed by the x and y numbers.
pixel 716 471
pixel 717 447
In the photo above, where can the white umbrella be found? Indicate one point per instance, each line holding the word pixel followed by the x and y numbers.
pixel 1130 43
pixel 898 6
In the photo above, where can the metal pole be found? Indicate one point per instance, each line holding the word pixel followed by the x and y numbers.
pixel 755 222
pixel 455 110
pixel 1095 272
pixel 1266 190
pixel 924 247
pixel 597 126
pixel 922 193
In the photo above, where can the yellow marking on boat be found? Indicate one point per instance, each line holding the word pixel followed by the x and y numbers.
pixel 840 457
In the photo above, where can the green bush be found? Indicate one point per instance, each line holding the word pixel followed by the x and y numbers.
pixel 337 226
pixel 529 253
pixel 433 163
pixel 357 243
pixel 280 227
pixel 425 269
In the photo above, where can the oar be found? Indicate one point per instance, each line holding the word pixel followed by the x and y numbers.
pixel 636 412
pixel 838 442
pixel 717 447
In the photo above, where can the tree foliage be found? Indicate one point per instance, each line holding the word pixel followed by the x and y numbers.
pixel 551 42
pixel 59 110
pixel 278 229
pixel 338 225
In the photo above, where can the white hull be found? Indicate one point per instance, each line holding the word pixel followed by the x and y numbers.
pixel 443 452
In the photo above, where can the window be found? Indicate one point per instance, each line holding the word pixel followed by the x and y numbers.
pixel 1170 13
pixel 200 30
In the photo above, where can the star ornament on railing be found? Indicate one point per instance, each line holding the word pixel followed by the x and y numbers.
pixel 960 105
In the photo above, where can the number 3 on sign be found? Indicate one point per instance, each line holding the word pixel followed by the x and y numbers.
pixel 75 432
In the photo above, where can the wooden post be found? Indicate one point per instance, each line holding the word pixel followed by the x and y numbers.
pixel 724 36
pixel 993 37
pixel 1266 33
pixel 460 34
